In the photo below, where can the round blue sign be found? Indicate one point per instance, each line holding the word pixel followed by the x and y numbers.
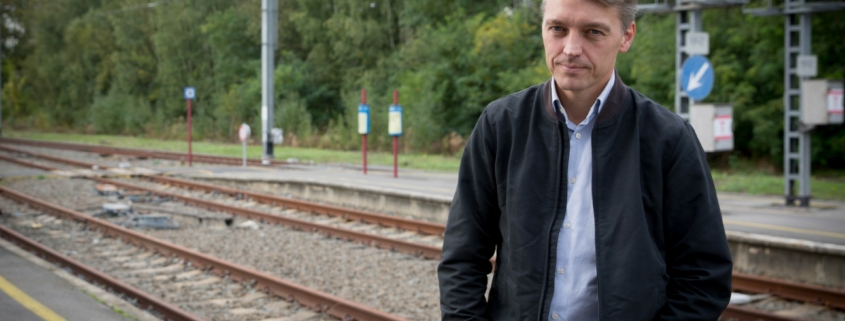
pixel 190 93
pixel 697 77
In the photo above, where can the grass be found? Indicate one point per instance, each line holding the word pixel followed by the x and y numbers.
pixel 756 183
pixel 741 177
pixel 418 161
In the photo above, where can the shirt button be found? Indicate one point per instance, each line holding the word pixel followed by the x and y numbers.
pixel 560 271
pixel 572 180
pixel 567 225
pixel 577 135
pixel 555 316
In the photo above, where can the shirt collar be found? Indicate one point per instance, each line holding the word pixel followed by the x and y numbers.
pixel 593 110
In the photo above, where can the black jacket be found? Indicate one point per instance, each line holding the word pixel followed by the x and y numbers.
pixel 661 251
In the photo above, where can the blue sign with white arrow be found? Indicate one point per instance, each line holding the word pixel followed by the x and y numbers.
pixel 697 77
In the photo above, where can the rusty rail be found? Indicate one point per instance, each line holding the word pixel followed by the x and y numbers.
pixel 427 251
pixel 742 282
pixel 25 163
pixel 373 218
pixel 788 290
pixel 143 299
pixel 746 314
pixel 332 305
pixel 212 159
pixel 54 159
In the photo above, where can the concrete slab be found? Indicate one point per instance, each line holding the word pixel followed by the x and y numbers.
pixel 49 290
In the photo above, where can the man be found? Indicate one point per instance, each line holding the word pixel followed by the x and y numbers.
pixel 597 201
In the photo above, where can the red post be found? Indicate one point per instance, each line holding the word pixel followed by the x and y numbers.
pixel 364 149
pixel 190 163
pixel 395 141
pixel 364 137
pixel 395 156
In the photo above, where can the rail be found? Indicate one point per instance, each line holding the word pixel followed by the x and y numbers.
pixel 332 305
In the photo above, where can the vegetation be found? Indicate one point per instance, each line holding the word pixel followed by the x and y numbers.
pixel 118 67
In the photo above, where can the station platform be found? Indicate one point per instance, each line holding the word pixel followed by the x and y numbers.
pixel 823 222
pixel 30 292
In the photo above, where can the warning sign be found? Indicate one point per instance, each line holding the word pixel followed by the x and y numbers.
pixel 723 127
pixel 834 101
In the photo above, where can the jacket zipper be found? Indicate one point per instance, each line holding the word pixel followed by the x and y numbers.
pixel 556 207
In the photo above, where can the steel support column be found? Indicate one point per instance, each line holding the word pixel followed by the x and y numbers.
pixel 796 137
pixel 269 17
pixel 686 21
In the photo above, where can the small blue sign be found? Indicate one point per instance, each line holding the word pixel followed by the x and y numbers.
pixel 363 119
pixel 190 93
pixel 394 120
pixel 697 77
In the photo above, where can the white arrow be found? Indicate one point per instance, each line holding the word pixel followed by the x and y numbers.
pixel 695 80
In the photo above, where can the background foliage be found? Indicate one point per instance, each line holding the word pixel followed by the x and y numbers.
pixel 118 67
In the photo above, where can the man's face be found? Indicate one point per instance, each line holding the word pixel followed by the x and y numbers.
pixel 582 39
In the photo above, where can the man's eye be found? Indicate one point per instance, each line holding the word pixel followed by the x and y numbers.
pixel 557 29
pixel 595 32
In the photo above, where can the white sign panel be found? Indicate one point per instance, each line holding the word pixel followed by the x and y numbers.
pixel 243 132
pixel 697 43
pixel 394 120
pixel 278 136
pixel 722 127
pixel 363 119
pixel 808 66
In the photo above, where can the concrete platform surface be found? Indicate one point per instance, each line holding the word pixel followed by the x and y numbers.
pixel 47 296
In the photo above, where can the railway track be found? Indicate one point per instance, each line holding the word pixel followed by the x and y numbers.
pixel 746 283
pixel 420 238
pixel 171 270
pixel 140 153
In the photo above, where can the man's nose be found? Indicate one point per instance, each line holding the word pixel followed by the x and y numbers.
pixel 572 44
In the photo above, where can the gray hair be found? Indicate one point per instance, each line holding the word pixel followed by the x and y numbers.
pixel 625 9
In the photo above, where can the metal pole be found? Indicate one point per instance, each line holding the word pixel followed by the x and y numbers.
pixel 805 161
pixel 395 156
pixel 1 82
pixel 364 137
pixel 796 140
pixel 364 150
pixel 244 145
pixel 269 17
pixel 190 161
pixel 395 141
pixel 687 21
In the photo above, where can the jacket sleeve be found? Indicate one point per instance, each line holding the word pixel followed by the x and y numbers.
pixel 697 257
pixel 471 231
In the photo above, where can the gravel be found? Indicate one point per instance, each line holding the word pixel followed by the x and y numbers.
pixel 195 291
pixel 396 283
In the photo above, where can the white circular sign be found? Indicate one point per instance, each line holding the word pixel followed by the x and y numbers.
pixel 243 132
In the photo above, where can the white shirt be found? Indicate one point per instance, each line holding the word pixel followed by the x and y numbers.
pixel 575 295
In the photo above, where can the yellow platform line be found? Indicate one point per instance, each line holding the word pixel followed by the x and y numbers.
pixel 28 302
pixel 785 229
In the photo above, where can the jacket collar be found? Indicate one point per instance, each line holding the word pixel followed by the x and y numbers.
pixel 609 108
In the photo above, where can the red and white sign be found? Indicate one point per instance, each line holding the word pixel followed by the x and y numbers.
pixel 243 132
pixel 723 127
pixel 834 101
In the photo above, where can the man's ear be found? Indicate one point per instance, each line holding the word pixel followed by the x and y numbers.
pixel 628 37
